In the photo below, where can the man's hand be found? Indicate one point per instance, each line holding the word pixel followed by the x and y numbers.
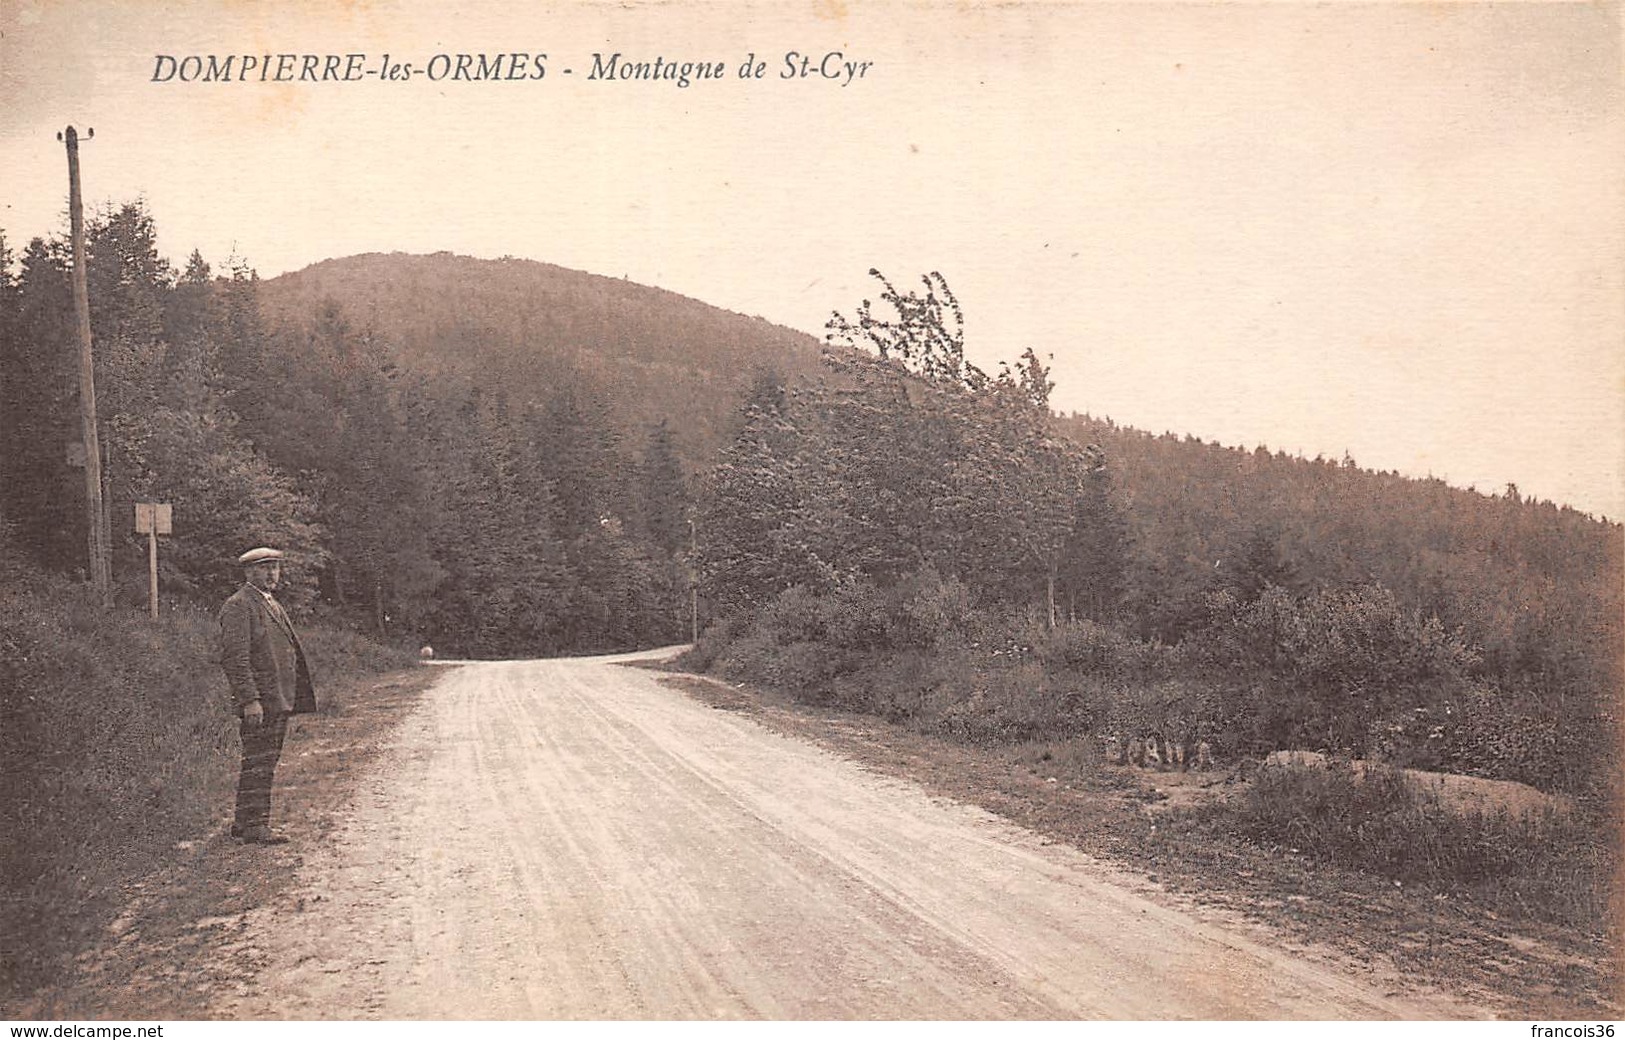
pixel 253 715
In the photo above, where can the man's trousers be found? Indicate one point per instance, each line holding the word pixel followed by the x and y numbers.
pixel 262 746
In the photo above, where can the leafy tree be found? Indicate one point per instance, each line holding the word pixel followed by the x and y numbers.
pixel 753 517
pixel 1022 486
pixel 225 497
pixel 925 333
pixel 908 457
pixel 172 434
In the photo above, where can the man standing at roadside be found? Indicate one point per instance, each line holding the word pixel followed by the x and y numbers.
pixel 270 680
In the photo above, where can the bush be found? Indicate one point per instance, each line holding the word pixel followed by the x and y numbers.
pixel 852 616
pixel 793 616
pixel 1319 671
pixel 1481 730
pixel 805 670
pixel 715 639
pixel 1011 703
pixel 1172 708
pixel 929 610
pixel 749 656
pixel 898 688
pixel 1382 823
pixel 1096 649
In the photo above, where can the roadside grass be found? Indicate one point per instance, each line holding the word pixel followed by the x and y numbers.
pixel 1540 941
pixel 117 743
pixel 1551 866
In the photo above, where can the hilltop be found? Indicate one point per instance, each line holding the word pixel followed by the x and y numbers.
pixel 527 326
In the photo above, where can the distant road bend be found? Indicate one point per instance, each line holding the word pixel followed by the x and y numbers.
pixel 571 839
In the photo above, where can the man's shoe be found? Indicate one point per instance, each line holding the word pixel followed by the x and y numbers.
pixel 262 836
pixel 236 830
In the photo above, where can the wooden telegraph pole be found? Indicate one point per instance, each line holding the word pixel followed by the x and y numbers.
pixel 101 568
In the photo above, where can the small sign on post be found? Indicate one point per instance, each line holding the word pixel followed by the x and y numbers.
pixel 153 519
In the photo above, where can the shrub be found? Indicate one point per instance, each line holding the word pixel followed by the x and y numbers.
pixel 805 669
pixel 749 656
pixel 1092 648
pixel 1383 823
pixel 898 688
pixel 793 616
pixel 929 610
pixel 1482 730
pixel 1320 670
pixel 1009 703
pixel 714 640
pixel 1173 708
pixel 852 616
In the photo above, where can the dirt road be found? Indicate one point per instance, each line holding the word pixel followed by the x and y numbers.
pixel 573 839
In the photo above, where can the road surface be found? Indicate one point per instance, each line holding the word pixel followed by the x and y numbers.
pixel 571 839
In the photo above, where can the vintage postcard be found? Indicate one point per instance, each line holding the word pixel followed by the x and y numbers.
pixel 1023 510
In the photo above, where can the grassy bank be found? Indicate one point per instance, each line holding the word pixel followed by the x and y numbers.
pixel 1549 866
pixel 116 743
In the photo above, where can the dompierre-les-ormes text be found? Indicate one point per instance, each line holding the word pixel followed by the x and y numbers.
pixel 505 66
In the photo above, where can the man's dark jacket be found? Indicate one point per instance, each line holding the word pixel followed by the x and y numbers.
pixel 262 658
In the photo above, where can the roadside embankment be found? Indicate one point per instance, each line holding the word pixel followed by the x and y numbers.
pixel 117 744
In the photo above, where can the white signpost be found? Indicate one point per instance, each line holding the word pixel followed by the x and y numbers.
pixel 153 519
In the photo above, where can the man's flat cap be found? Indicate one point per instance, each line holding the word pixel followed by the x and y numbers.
pixel 260 555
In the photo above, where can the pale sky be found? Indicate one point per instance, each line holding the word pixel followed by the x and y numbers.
pixel 1392 230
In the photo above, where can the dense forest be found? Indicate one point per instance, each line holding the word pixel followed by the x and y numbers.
pixel 504 458
pixel 528 327
pixel 447 504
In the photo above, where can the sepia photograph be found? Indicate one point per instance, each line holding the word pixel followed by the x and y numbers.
pixel 871 511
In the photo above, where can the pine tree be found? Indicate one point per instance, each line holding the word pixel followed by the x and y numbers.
pixel 507 583
pixel 664 494
pixel 1261 563
pixel 1095 561
pixel 44 494
pixel 753 521
pixel 243 346
pixel 330 411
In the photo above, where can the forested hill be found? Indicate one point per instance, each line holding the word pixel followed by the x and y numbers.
pixel 527 327
pixel 446 442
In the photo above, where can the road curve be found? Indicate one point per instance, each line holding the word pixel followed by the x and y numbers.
pixel 571 839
